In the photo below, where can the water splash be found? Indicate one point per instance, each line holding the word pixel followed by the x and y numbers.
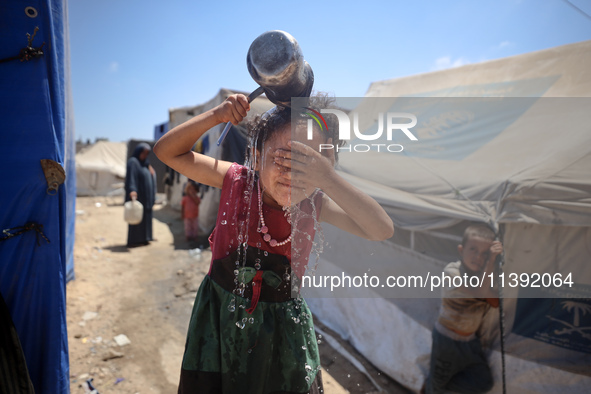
pixel 293 214
pixel 232 305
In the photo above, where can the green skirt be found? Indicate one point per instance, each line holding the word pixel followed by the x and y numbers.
pixel 271 350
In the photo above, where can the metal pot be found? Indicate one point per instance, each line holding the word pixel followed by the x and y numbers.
pixel 276 63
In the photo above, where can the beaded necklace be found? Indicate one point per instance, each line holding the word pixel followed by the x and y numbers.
pixel 263 227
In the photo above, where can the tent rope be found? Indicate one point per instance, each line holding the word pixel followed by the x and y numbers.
pixel 13 232
pixel 28 52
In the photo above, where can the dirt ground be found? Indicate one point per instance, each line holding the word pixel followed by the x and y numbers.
pixel 146 295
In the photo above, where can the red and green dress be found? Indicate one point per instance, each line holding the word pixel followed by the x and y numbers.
pixel 247 333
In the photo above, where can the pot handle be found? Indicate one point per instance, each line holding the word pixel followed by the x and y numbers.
pixel 256 93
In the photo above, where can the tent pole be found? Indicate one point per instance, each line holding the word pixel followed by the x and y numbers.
pixel 500 263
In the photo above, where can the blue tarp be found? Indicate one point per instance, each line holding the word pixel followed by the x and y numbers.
pixel 35 103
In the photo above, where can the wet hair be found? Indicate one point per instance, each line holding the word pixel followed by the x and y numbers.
pixel 478 231
pixel 265 126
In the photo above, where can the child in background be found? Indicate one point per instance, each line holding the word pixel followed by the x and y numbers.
pixel 458 363
pixel 247 334
pixel 190 211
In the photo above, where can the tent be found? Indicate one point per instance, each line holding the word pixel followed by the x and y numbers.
pixel 505 142
pixel 232 149
pixel 37 215
pixel 100 168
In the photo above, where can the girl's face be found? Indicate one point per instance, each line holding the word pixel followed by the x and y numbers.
pixel 275 183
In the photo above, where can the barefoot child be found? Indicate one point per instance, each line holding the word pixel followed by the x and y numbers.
pixel 247 334
pixel 458 363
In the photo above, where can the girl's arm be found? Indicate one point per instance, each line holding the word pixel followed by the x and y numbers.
pixel 175 147
pixel 348 208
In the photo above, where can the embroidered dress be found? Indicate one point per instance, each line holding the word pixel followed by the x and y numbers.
pixel 262 341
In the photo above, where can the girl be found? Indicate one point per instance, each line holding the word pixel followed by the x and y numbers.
pixel 247 334
pixel 190 211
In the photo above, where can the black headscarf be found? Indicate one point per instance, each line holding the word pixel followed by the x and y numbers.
pixel 142 146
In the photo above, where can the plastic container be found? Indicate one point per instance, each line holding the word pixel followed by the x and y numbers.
pixel 133 212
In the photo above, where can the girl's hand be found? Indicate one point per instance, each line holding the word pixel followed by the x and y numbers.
pixel 305 168
pixel 233 109
pixel 308 169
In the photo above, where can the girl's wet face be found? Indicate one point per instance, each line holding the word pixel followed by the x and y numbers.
pixel 275 182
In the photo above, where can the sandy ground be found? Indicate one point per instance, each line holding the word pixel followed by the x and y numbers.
pixel 146 294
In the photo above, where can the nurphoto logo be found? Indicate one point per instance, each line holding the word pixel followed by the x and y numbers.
pixel 394 121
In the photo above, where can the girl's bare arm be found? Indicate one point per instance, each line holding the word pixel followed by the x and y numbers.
pixel 175 147
pixel 351 210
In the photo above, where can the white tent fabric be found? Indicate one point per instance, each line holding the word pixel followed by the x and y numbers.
pixel 524 168
pixel 536 167
pixel 100 168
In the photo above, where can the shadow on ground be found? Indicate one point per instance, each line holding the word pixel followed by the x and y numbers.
pixel 117 248
pixel 172 218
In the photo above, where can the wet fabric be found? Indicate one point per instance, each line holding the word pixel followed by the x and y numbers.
pixel 457 366
pixel 247 334
pixel 239 210
pixel 139 179
pixel 273 349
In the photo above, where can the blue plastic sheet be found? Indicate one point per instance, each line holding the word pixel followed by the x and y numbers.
pixel 35 102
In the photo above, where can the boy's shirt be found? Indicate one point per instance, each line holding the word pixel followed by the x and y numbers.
pixel 460 311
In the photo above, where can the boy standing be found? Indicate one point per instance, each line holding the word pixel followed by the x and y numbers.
pixel 458 363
